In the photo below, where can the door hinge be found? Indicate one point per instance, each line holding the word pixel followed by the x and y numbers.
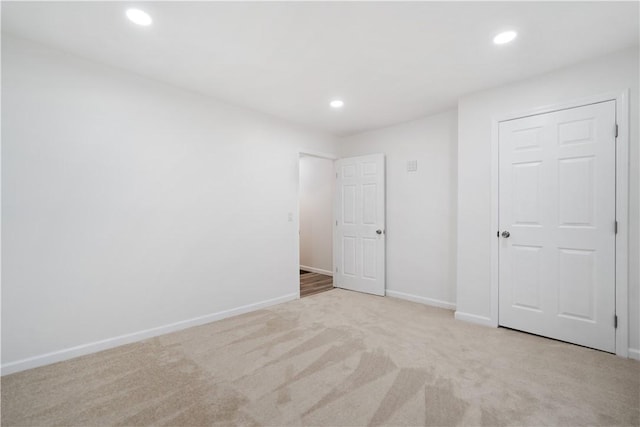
pixel 615 321
pixel 615 227
pixel 616 130
pixel 337 172
pixel 498 234
pixel 336 222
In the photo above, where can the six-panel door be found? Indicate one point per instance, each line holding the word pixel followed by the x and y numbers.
pixel 557 202
pixel 360 218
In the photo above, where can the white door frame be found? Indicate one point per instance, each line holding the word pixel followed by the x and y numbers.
pixel 319 155
pixel 622 206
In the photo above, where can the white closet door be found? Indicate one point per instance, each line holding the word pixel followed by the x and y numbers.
pixel 557 225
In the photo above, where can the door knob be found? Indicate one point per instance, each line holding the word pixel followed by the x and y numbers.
pixel 506 234
pixel 378 231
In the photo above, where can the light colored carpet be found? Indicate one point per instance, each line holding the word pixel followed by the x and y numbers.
pixel 333 359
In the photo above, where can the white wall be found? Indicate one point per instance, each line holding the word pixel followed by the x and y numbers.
pixel 475 113
pixel 421 205
pixel 128 204
pixel 316 213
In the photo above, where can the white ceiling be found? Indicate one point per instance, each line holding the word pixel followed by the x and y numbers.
pixel 390 62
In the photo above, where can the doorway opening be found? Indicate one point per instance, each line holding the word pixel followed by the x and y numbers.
pixel 316 178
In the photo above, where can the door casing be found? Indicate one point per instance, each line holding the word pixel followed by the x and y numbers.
pixel 622 206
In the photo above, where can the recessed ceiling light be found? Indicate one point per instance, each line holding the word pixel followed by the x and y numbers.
pixel 336 103
pixel 505 37
pixel 139 17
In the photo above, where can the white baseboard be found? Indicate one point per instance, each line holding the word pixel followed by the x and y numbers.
pixel 634 353
pixel 316 270
pixel 474 318
pixel 422 300
pixel 94 347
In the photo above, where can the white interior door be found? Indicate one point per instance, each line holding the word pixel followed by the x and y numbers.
pixel 360 224
pixel 557 225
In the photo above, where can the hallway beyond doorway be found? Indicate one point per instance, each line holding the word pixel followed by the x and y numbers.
pixel 314 283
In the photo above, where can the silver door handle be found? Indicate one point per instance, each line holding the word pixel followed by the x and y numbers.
pixel 378 231
pixel 506 234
